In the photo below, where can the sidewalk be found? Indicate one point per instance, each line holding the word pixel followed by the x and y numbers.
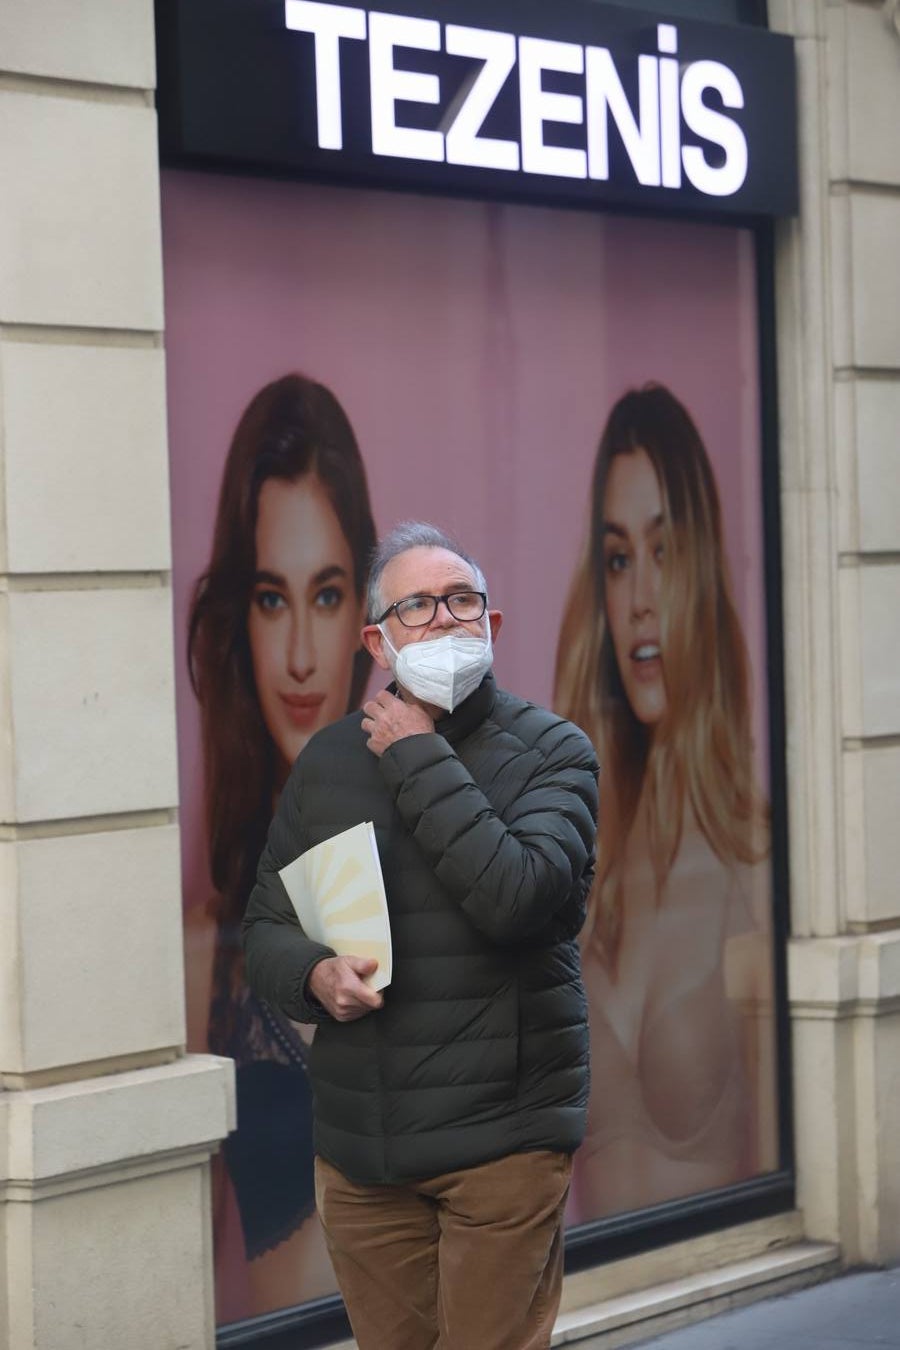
pixel 853 1312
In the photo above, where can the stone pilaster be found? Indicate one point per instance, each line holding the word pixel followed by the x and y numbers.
pixel 105 1127
pixel 838 295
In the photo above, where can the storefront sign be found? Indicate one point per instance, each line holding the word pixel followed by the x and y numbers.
pixel 569 101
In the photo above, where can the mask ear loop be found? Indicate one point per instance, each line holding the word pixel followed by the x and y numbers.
pixel 393 654
pixel 390 646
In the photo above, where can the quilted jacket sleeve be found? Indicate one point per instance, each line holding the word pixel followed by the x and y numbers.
pixel 278 954
pixel 511 876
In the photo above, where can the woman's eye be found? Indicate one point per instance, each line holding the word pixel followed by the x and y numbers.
pixel 659 553
pixel 269 601
pixel 329 597
pixel 616 562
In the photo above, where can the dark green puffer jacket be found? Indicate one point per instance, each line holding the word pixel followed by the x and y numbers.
pixel 486 835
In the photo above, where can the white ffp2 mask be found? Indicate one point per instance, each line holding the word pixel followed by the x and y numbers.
pixel 443 671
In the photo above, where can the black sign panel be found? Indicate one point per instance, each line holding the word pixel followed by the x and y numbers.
pixel 565 101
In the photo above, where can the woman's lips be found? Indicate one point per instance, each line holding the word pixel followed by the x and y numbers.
pixel 646 661
pixel 302 709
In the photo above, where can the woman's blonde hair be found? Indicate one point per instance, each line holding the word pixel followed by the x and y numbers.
pixel 700 754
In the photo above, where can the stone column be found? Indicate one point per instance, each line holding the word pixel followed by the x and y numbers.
pixel 838 287
pixel 106 1128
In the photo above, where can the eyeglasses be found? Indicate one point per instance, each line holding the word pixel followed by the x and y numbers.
pixel 418 610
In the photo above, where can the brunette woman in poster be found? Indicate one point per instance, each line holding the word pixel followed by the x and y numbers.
pixel 652 665
pixel 274 655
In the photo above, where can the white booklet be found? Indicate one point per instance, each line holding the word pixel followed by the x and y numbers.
pixel 337 890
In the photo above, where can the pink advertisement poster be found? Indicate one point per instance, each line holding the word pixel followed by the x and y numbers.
pixel 575 396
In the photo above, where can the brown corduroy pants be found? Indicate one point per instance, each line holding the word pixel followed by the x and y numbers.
pixel 471 1260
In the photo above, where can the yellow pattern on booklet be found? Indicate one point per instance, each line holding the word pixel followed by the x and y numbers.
pixel 337 891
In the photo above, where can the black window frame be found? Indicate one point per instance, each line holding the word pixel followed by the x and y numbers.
pixel 323 1322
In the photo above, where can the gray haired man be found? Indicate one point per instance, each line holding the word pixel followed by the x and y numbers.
pixel 447 1108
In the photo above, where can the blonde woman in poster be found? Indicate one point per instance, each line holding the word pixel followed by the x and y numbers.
pixel 652 665
pixel 274 655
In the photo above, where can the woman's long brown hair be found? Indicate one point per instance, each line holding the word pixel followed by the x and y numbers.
pixel 291 428
pixel 701 753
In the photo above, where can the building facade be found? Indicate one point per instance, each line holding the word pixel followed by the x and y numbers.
pixel 107 1126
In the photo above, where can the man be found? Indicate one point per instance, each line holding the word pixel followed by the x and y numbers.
pixel 448 1107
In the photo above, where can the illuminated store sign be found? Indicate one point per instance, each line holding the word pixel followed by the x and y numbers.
pixel 568 100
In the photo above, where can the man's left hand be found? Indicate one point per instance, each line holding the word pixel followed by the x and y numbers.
pixel 387 719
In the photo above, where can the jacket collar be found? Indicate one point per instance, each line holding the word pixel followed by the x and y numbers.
pixel 456 726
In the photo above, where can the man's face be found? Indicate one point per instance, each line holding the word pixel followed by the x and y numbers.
pixel 426 571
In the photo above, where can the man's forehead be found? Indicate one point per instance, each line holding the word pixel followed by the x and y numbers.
pixel 424 569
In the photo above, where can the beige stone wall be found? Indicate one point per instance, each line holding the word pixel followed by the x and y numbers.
pixel 105 1127
pixel 839 369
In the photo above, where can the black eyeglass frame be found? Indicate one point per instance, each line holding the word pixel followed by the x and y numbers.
pixel 436 600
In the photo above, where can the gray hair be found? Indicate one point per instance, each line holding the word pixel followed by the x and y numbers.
pixel 411 534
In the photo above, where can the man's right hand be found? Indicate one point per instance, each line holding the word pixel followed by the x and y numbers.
pixel 337 983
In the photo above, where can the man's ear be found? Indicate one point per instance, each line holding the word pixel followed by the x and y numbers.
pixel 495 619
pixel 372 639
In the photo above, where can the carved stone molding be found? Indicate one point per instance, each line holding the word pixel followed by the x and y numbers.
pixel 892 15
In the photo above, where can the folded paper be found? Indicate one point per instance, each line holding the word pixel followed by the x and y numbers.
pixel 337 891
